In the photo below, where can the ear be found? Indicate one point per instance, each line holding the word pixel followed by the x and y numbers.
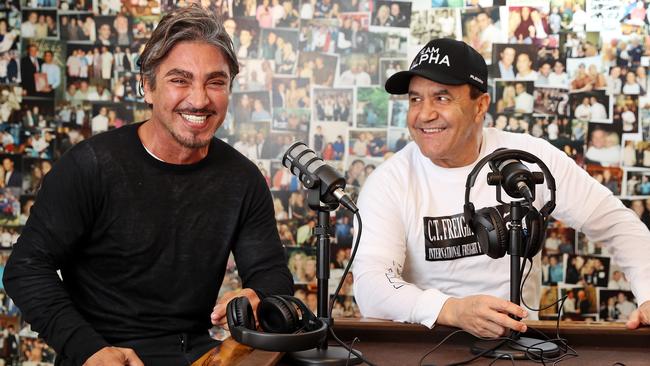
pixel 482 105
pixel 146 89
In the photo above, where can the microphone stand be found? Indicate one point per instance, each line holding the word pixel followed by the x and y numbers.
pixel 323 354
pixel 517 347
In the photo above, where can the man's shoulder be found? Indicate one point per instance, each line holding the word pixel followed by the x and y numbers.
pixel 226 154
pixel 114 139
pixel 511 140
pixel 397 165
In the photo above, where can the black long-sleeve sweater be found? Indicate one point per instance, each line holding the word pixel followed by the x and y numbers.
pixel 142 245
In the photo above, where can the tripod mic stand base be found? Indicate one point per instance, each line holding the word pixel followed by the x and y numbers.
pixel 332 355
pixel 523 349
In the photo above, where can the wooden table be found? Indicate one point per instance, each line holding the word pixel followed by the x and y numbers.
pixel 231 353
pixel 390 343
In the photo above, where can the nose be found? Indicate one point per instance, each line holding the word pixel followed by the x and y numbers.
pixel 198 97
pixel 428 112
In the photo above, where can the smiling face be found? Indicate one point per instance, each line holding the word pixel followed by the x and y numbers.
pixel 508 56
pixel 190 99
pixel 445 122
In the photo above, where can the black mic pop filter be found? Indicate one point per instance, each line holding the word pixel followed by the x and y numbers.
pixel 314 173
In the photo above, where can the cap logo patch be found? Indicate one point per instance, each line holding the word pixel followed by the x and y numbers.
pixel 430 55
pixel 475 78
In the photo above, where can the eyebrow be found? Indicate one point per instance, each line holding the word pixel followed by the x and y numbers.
pixel 435 94
pixel 189 75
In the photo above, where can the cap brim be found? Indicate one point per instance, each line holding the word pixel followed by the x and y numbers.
pixel 399 82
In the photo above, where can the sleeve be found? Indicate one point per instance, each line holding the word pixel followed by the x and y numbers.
pixel 258 252
pixel 379 289
pixel 58 221
pixel 56 78
pixel 590 207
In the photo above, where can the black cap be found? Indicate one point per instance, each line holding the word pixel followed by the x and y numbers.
pixel 444 61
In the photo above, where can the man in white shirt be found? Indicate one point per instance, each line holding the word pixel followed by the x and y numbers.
pixel 39 144
pixel 354 76
pixel 28 28
pixel 583 111
pixel 569 303
pixel 52 70
pixel 558 77
pixel 99 123
pixel 524 67
pixel 418 259
pixel 598 111
pixel 618 282
pixel 628 118
pixel 624 306
pixel 524 102
pixel 614 82
pixel 579 19
pixel 107 63
pixel 489 32
pixel 74 64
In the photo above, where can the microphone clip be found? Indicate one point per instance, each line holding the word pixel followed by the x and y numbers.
pixel 319 201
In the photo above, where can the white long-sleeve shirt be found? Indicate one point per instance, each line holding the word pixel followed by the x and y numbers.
pixel 412 211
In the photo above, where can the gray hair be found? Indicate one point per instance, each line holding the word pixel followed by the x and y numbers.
pixel 191 24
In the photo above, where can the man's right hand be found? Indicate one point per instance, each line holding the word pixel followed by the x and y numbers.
pixel 114 356
pixel 482 315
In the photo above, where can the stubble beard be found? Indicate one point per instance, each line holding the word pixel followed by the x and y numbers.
pixel 192 142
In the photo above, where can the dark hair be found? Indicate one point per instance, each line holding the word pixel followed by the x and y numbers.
pixel 474 92
pixel 191 24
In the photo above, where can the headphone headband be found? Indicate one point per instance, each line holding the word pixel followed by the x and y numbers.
pixel 501 154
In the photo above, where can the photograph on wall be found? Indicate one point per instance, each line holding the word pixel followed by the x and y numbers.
pixel 514 61
pixel 637 182
pixel 514 96
pixel 333 104
pixel 434 23
pixel 371 107
pixel 641 207
pixel 580 303
pixel 547 306
pixel 626 113
pixel 604 143
pixel 482 27
pixel 329 139
pixel 610 177
pixel 615 305
pixel 560 239
pixel 552 269
pixel 587 270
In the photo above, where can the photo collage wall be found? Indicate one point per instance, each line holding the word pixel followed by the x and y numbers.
pixel 573 72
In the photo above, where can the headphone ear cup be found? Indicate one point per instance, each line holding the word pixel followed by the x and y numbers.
pixel 490 232
pixel 239 313
pixel 277 315
pixel 536 227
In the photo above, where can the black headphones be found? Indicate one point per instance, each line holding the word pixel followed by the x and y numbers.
pixel 487 223
pixel 287 322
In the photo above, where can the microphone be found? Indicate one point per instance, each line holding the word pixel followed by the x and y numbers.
pixel 313 172
pixel 516 179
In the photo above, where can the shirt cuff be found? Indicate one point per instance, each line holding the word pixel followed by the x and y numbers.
pixel 428 307
pixel 83 343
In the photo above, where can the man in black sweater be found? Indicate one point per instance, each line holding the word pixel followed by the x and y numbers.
pixel 141 220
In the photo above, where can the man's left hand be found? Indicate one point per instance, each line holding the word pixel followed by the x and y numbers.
pixel 640 316
pixel 218 316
